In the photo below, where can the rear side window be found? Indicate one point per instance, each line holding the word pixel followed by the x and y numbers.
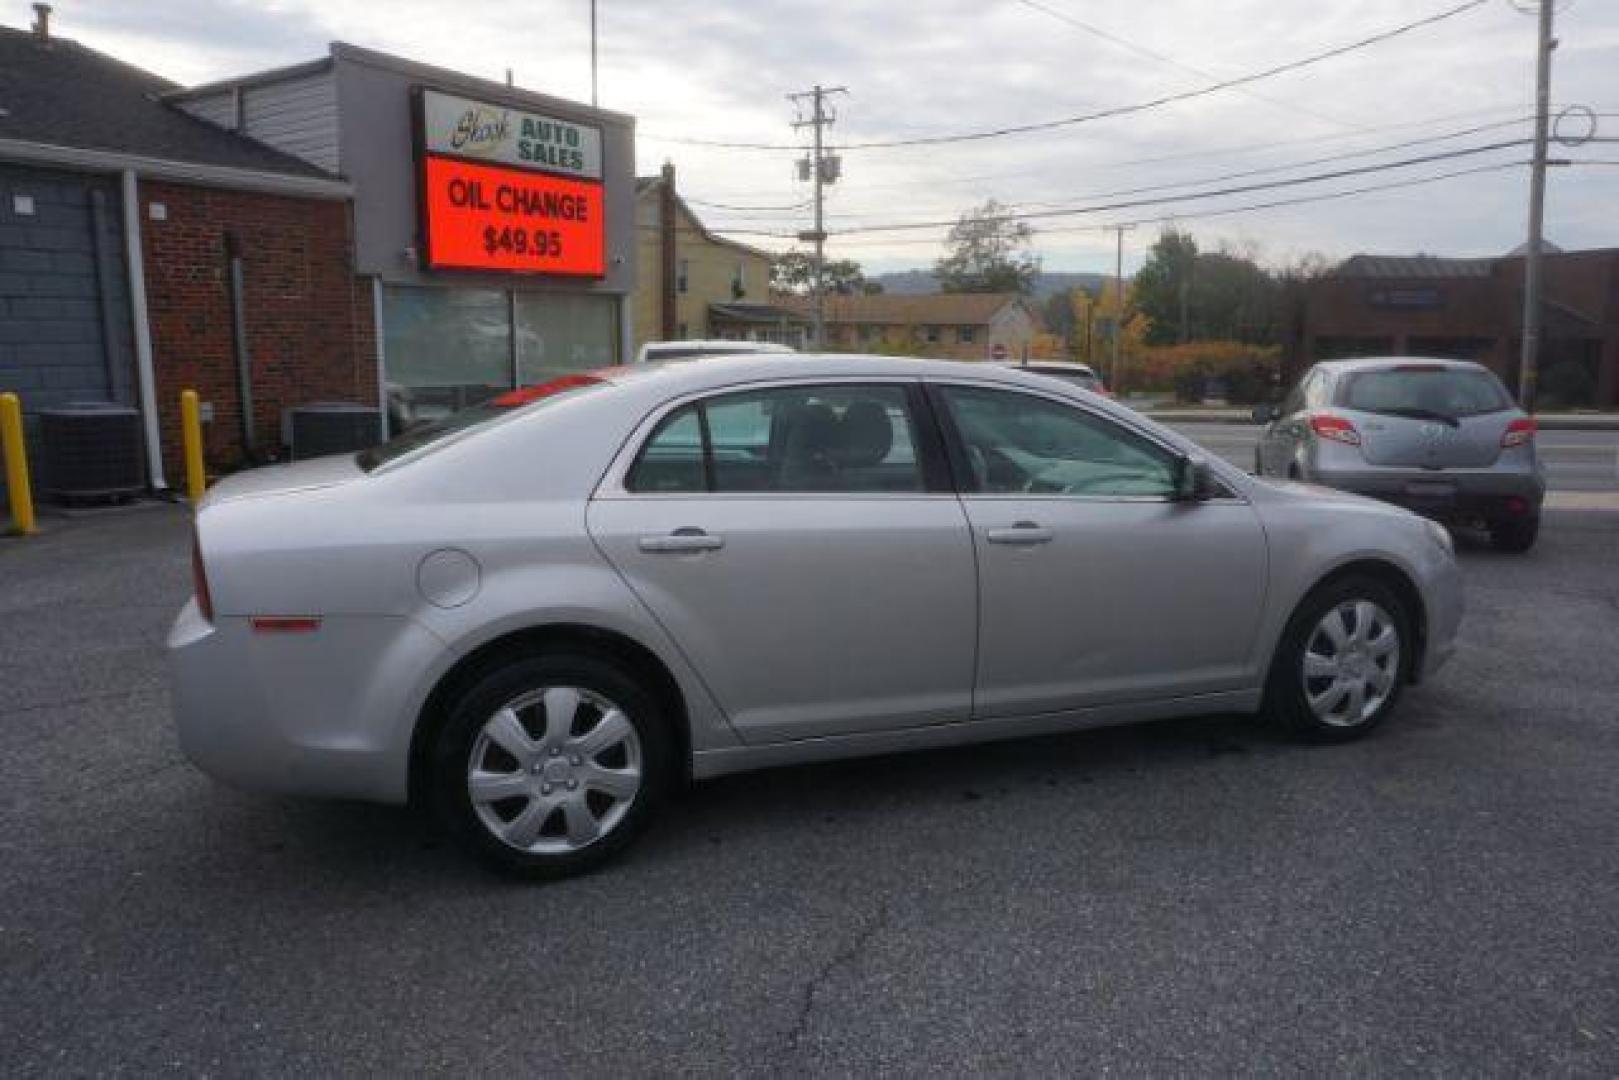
pixel 858 439
pixel 1418 390
pixel 426 436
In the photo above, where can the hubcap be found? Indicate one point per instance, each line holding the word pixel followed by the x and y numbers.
pixel 554 770
pixel 1350 663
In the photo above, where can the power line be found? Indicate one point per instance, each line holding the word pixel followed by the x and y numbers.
pixel 1142 50
pixel 1336 174
pixel 1265 171
pixel 746 209
pixel 1329 196
pixel 1113 111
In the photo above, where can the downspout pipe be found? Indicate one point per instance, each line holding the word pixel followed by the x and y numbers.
pixel 144 376
pixel 244 359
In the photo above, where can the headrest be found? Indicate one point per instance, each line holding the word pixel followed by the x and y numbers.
pixel 865 435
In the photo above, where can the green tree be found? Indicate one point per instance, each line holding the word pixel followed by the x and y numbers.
pixel 988 251
pixel 794 272
pixel 1226 295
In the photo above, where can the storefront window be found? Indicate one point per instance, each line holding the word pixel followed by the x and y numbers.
pixel 561 333
pixel 445 349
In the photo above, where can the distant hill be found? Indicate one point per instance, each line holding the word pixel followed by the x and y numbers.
pixel 913 282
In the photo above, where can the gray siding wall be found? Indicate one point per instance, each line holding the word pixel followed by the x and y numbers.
pixel 215 108
pixel 298 116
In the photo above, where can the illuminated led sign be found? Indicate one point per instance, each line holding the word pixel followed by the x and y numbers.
pixel 509 191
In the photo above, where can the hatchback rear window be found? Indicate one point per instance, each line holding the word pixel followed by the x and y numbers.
pixel 1418 391
pixel 465 421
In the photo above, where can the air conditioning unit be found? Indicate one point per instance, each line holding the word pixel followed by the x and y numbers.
pixel 91 450
pixel 330 428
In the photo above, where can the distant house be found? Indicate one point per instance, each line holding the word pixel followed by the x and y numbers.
pixel 951 326
pixel 693 283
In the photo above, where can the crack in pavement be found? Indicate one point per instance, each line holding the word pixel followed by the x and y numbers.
pixel 841 957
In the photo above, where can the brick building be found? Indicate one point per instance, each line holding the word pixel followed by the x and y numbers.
pixel 118 218
pixel 1472 309
pixel 357 229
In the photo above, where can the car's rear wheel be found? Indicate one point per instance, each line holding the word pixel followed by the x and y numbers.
pixel 1516 536
pixel 1342 662
pixel 549 766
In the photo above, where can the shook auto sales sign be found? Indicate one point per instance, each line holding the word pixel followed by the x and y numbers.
pixel 504 189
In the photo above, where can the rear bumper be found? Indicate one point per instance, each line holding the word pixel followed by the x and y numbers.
pixel 324 714
pixel 1451 494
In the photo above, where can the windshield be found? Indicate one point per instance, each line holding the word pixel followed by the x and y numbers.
pixel 465 420
pixel 1425 391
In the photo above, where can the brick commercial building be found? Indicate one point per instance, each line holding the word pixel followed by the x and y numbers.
pixel 1472 309
pixel 359 229
pixel 118 216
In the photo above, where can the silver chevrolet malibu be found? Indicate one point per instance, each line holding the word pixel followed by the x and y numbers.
pixel 539 615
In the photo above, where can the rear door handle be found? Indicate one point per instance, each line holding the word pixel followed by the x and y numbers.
pixel 682 540
pixel 1024 532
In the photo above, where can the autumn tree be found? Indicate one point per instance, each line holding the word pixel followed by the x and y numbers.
pixel 988 251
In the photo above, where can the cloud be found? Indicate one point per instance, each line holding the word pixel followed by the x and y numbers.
pixel 714 69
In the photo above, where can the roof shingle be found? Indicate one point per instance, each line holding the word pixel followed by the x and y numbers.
pixel 60 93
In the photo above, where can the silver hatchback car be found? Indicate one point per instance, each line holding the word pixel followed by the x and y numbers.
pixel 539 615
pixel 1440 437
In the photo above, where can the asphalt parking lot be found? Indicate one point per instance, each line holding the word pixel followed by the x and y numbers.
pixel 1191 897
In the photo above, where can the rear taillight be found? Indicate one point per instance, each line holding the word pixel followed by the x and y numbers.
pixel 1519 432
pixel 199 580
pixel 1335 428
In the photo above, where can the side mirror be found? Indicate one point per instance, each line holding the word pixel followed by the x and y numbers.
pixel 1265 414
pixel 1195 480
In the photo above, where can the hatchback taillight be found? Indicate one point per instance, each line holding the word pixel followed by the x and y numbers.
pixel 199 580
pixel 1519 432
pixel 1335 428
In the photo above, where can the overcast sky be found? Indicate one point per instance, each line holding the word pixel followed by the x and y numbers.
pixel 719 69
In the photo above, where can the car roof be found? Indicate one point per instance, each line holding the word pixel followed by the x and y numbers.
pixel 1065 367
pixel 1383 363
pixel 719 371
pixel 720 344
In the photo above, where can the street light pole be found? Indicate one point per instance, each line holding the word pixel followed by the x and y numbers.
pixel 1529 361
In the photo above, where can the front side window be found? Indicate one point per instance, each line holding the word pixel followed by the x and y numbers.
pixel 857 439
pixel 1022 444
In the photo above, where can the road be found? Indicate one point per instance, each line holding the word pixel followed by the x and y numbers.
pixel 1575 460
pixel 1185 898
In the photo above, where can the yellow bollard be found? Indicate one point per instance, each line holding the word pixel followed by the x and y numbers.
pixel 191 435
pixel 16 455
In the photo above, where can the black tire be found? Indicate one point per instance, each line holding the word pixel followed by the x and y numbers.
pixel 454 745
pixel 1286 694
pixel 1515 537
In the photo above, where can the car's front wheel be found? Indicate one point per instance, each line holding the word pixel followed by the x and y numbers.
pixel 549 766
pixel 1342 661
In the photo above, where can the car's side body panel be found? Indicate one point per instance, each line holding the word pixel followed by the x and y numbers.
pixel 504 514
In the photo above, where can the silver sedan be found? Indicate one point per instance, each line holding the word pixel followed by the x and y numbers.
pixel 540 615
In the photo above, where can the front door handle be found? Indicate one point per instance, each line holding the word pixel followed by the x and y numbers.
pixel 682 540
pixel 1024 532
